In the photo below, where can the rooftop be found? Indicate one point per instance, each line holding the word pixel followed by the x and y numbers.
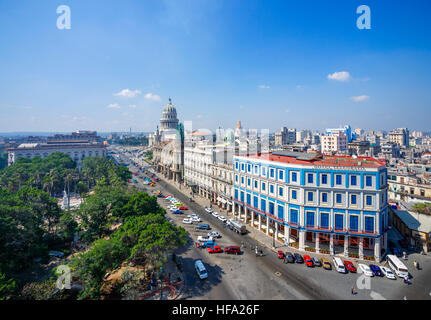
pixel 415 221
pixel 317 159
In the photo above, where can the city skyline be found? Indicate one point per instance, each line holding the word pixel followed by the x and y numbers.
pixel 266 65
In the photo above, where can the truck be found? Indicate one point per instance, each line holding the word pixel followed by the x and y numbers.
pixel 236 226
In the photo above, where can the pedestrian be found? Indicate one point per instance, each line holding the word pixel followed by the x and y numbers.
pixel 353 290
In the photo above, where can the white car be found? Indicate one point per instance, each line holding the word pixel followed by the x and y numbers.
pixel 209 210
pixel 187 221
pixel 205 238
pixel 215 214
pixel 388 273
pixel 366 270
pixel 196 219
pixel 214 234
pixel 146 182
pixel 221 218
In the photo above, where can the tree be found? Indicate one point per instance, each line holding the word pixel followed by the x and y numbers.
pixel 8 287
pixel 149 237
pixel 92 265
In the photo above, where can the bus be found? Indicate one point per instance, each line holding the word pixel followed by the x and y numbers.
pixel 236 226
pixel 399 268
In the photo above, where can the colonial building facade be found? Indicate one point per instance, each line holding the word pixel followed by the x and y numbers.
pixel 326 204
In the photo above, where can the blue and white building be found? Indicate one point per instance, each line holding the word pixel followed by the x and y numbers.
pixel 326 204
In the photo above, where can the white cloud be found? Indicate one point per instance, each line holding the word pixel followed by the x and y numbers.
pixel 263 86
pixel 113 106
pixel 153 97
pixel 128 93
pixel 342 76
pixel 241 107
pixel 199 116
pixel 132 106
pixel 360 98
pixel 287 110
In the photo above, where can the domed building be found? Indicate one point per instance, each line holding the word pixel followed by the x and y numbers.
pixel 169 120
pixel 168 144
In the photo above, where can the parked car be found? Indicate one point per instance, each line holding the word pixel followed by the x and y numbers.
pixel 187 221
pixel 365 270
pixel 222 219
pixel 376 270
pixel 215 214
pixel 214 234
pixel 308 261
pixel 215 249
pixel 288 257
pixel 210 244
pixel 326 264
pixel 196 219
pixel 298 258
pixel 349 265
pixel 205 238
pixel 177 212
pixel 316 262
pixel 280 254
pixel 388 273
pixel 209 210
pixel 232 250
pixel 203 227
pixel 183 207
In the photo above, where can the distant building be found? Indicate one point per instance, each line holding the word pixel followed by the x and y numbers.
pixel 334 142
pixel 285 136
pixel 399 136
pixel 78 146
pixel 358 147
pixel 347 130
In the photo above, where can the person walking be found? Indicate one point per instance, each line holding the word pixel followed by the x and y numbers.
pixel 353 289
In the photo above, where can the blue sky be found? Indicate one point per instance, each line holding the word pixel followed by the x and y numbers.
pixel 265 63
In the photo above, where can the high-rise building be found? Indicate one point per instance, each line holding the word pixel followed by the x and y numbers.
pixel 400 136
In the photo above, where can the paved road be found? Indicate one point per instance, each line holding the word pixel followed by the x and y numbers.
pixel 248 277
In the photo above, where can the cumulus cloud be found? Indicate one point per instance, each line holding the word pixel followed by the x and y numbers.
pixel 263 86
pixel 128 93
pixel 153 97
pixel 360 98
pixel 113 106
pixel 342 76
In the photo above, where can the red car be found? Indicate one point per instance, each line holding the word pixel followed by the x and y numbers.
pixel 215 249
pixel 349 266
pixel 308 261
pixel 280 254
pixel 232 250
pixel 183 208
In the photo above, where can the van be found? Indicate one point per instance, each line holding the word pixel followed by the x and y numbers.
pixel 200 269
pixel 339 266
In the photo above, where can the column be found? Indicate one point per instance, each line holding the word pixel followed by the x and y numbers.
pixel 276 230
pixel 331 245
pixel 317 235
pixel 302 240
pixel 377 249
pixel 361 248
pixel 233 208
pixel 252 219
pixel 260 222
pixel 346 246
pixel 267 226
